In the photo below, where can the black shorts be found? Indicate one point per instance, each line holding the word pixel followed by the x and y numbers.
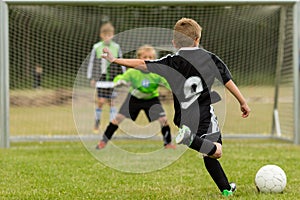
pixel 132 107
pixel 202 121
pixel 107 93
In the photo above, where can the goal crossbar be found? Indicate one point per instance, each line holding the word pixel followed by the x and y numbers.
pixel 128 2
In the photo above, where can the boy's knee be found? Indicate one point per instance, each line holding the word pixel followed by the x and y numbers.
pixel 218 153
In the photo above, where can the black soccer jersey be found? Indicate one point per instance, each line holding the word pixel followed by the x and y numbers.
pixel 191 73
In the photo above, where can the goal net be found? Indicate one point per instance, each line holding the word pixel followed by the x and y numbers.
pixel 49 44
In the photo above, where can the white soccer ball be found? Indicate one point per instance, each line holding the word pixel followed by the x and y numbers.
pixel 270 178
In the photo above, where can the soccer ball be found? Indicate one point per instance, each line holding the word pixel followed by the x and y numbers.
pixel 270 178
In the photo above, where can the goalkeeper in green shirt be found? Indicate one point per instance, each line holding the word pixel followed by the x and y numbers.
pixel 143 95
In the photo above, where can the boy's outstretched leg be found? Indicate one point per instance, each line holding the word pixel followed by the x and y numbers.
pixel 215 170
pixel 197 143
pixel 212 151
pixel 110 130
pixel 166 132
pixel 98 112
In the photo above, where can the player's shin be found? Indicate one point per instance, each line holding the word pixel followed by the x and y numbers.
pixel 113 113
pixel 110 130
pixel 215 169
pixel 166 132
pixel 98 112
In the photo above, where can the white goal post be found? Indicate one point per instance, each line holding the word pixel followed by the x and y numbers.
pixel 4 76
pixel 295 39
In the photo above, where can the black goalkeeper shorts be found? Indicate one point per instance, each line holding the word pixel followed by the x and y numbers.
pixel 107 93
pixel 132 107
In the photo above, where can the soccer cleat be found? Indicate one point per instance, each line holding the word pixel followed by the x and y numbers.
pixel 233 186
pixel 101 145
pixel 227 193
pixel 170 146
pixel 184 136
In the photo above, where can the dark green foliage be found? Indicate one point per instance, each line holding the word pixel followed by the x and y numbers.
pixel 60 38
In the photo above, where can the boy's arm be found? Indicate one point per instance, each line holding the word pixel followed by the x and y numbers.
pixel 91 64
pixel 91 70
pixel 120 55
pixel 230 85
pixel 131 63
pixel 120 80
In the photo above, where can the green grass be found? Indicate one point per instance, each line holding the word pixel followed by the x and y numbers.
pixel 66 170
pixel 72 170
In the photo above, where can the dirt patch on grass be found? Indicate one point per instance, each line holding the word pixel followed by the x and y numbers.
pixel 40 97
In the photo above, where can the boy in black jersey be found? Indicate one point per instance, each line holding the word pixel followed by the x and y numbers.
pixel 191 73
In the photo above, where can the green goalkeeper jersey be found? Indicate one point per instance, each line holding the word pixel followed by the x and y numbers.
pixel 143 85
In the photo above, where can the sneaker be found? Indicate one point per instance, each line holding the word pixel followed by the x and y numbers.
pixel 101 145
pixel 170 146
pixel 184 136
pixel 227 193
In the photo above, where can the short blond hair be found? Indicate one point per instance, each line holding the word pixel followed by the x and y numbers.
pixel 186 31
pixel 147 48
pixel 107 28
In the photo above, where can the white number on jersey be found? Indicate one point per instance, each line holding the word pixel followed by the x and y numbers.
pixel 192 90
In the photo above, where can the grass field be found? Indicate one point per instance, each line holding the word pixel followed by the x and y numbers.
pixel 74 170
pixel 60 170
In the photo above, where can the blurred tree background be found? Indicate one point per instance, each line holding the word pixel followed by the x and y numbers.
pixel 60 38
